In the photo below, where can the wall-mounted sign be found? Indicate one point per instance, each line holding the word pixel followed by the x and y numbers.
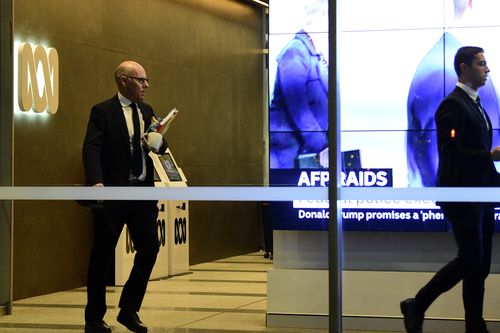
pixel 38 78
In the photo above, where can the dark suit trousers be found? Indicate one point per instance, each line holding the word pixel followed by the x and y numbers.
pixel 141 219
pixel 473 227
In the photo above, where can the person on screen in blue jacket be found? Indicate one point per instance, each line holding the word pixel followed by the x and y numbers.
pixel 434 78
pixel 299 106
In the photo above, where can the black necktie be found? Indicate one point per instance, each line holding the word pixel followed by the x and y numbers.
pixel 478 102
pixel 136 143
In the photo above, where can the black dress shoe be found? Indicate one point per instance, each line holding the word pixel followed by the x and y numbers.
pixel 130 319
pixel 413 317
pixel 478 327
pixel 97 327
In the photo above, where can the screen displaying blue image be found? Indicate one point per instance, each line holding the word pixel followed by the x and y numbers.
pixel 394 68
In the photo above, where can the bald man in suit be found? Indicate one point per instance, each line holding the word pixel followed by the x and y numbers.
pixel 112 158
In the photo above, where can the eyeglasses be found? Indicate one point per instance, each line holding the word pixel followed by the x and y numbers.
pixel 142 80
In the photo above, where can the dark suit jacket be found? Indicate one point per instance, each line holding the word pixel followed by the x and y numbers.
pixel 464 158
pixel 106 148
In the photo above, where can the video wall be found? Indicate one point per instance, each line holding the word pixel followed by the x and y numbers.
pixel 395 65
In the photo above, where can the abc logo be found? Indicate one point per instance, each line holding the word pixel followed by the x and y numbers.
pixel 38 78
pixel 180 231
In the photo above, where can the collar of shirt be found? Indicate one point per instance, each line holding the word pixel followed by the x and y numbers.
pixel 124 101
pixel 127 112
pixel 471 92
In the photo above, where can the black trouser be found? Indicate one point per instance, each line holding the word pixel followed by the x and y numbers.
pixel 141 219
pixel 473 226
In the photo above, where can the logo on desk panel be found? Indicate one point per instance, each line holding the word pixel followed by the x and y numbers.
pixel 180 231
pixel 38 78
pixel 161 232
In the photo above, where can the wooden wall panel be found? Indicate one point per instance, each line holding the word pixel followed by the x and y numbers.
pixel 203 57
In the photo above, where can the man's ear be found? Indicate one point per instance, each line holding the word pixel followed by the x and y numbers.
pixel 463 67
pixel 122 81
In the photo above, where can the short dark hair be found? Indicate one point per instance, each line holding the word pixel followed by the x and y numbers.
pixel 465 55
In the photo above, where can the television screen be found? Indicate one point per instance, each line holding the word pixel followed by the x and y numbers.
pixel 395 65
pixel 170 168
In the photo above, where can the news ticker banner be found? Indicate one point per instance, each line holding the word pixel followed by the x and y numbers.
pixel 369 203
pixel 367 215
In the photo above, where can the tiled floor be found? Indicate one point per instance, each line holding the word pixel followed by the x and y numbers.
pixel 227 296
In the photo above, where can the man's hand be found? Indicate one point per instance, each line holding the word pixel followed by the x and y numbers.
pixel 153 141
pixel 495 154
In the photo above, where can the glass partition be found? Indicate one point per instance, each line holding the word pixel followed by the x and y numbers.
pixel 5 156
pixel 392 68
pixel 395 68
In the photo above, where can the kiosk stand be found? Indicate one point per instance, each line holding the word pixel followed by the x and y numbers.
pixel 177 212
pixel 173 218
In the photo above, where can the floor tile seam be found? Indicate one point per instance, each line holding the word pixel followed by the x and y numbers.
pixel 276 330
pixel 213 316
pixel 111 288
pixel 229 270
pixel 194 293
pixel 50 305
pixel 179 329
pixel 215 330
pixel 251 254
pixel 225 265
pixel 252 303
pixel 149 308
pixel 219 281
pixel 198 270
pixel 191 309
pixel 205 293
pixel 80 327
pixel 195 267
pixel 201 319
pixel 241 262
pixel 42 326
pixel 219 274
pixel 118 289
